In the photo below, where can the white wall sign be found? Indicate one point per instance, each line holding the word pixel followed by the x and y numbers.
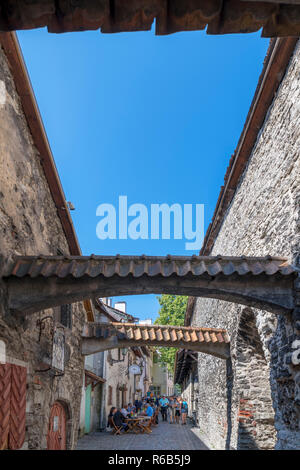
pixel 58 350
pixel 135 369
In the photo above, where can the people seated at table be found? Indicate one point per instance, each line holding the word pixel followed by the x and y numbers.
pixel 124 411
pixel 148 411
pixel 118 418
pixel 130 408
pixel 110 415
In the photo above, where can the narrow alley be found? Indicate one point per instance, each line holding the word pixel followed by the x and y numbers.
pixel 163 437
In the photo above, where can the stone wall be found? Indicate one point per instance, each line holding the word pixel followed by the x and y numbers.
pixel 262 219
pixel 29 225
pixel 190 393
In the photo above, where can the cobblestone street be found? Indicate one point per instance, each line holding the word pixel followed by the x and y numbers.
pixel 163 437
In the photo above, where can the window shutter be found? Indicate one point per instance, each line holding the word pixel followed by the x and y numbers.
pixel 17 407
pixel 5 387
pixel 12 406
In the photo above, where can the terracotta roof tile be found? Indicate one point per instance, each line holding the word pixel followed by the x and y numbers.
pixel 136 266
pixel 157 333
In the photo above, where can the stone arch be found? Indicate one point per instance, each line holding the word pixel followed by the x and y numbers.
pixel 252 391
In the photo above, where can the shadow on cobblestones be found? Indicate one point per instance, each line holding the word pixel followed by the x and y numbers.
pixel 163 437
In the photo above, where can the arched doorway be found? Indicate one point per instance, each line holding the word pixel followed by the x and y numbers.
pixel 255 413
pixel 57 439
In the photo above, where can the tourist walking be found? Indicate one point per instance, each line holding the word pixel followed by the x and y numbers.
pixel 184 411
pixel 172 405
pixel 164 403
pixel 177 411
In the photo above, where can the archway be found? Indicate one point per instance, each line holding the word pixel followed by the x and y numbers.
pixel 252 391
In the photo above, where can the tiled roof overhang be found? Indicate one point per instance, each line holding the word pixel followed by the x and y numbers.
pixel 138 266
pixel 113 314
pixel 92 378
pixel 210 340
pixel 277 17
pixel 116 316
pixel 36 282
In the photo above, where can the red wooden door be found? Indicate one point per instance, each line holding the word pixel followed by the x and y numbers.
pixel 57 428
pixel 12 406
pixel 5 394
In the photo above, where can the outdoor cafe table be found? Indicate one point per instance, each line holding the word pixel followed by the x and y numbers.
pixel 135 424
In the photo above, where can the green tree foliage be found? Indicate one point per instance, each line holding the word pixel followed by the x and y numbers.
pixel 172 312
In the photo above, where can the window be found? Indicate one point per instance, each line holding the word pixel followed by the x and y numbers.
pixel 66 315
pixel 109 398
pixel 63 315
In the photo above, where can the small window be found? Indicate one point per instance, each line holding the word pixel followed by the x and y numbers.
pixel 109 400
pixel 66 315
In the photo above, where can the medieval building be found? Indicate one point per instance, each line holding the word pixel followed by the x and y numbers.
pixel 108 378
pixel 252 400
pixel 41 365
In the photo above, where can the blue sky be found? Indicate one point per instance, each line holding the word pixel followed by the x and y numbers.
pixel 155 118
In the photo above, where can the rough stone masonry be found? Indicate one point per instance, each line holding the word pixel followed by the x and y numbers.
pixel 254 402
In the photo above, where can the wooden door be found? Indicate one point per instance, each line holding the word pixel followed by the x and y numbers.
pixel 88 396
pixel 12 406
pixel 57 428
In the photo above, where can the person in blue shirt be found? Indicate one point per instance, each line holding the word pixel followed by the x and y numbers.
pixel 184 411
pixel 149 411
pixel 164 403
